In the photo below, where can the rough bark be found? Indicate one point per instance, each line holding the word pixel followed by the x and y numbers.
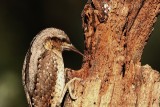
pixel 116 32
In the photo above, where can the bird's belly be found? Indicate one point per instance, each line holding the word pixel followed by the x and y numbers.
pixel 59 85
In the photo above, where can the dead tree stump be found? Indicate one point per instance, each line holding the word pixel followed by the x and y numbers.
pixel 116 32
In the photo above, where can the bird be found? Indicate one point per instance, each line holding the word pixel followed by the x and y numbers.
pixel 43 72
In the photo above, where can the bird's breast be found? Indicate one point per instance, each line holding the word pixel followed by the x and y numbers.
pixel 50 79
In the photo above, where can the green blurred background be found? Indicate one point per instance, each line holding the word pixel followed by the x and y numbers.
pixel 21 20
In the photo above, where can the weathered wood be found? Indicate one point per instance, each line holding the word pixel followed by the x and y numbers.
pixel 116 32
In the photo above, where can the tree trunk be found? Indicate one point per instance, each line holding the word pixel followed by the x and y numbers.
pixel 116 32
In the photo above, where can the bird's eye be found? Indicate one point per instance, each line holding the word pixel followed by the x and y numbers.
pixel 60 40
pixel 66 40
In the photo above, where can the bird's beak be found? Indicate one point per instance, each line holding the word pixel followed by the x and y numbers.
pixel 70 47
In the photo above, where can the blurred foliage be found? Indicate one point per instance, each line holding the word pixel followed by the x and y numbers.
pixel 21 20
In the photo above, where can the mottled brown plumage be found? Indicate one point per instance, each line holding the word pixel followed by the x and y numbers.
pixel 46 76
pixel 43 70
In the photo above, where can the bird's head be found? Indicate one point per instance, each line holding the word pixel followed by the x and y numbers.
pixel 56 40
